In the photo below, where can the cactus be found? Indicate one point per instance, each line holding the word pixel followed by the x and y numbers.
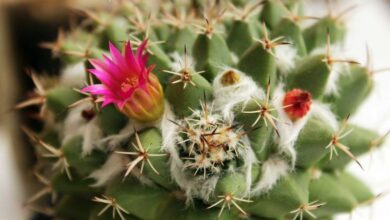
pixel 235 115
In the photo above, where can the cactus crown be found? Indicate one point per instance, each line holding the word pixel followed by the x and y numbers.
pixel 227 109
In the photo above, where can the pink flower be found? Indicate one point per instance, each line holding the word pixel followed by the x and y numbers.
pixel 128 83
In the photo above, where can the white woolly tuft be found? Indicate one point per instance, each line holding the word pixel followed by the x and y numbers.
pixel 178 62
pixel 322 111
pixel 235 57
pixel 272 170
pixel 337 68
pixel 288 129
pixel 167 128
pixel 198 186
pixel 76 125
pixel 91 135
pixel 226 97
pixel 249 158
pixel 113 166
pixel 285 58
pixel 73 75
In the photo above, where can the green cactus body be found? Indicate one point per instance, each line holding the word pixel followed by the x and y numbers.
pixel 243 130
pixel 310 69
pixel 292 32
pixel 314 35
pixel 355 86
pixel 258 63
pixel 211 53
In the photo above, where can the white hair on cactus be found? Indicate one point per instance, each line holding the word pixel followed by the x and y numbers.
pixel 194 126
pixel 272 170
pixel 114 165
pixel 288 129
pixel 178 63
pixel 228 96
pixel 92 134
pixel 73 75
pixel 285 58
pixel 235 58
pixel 193 187
pixel 322 111
pixel 167 128
pixel 75 124
pixel 337 69
pixel 249 158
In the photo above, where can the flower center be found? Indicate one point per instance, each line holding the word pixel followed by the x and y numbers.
pixel 129 83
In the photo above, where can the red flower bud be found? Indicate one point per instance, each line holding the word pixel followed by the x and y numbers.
pixel 297 103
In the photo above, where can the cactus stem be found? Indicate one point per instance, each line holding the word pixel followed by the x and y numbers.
pixel 306 208
pixel 228 200
pixel 142 156
pixel 110 202
pixel 335 143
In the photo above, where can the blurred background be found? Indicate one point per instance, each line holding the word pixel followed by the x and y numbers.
pixel 24 24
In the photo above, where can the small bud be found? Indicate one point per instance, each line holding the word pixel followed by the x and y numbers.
pixel 297 103
pixel 230 77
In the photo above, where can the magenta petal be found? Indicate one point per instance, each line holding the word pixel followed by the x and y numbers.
pixel 118 58
pixel 104 77
pixel 130 57
pixel 140 50
pixel 107 101
pixel 114 70
pixel 98 89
